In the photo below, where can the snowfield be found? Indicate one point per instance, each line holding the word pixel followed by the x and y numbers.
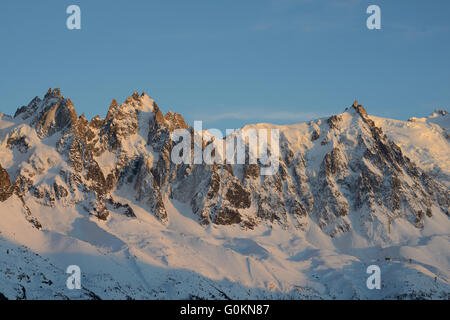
pixel 425 140
pixel 142 259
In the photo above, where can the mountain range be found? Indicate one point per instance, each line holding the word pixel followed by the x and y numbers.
pixel 351 190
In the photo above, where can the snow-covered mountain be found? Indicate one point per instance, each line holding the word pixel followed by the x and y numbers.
pixel 424 140
pixel 351 190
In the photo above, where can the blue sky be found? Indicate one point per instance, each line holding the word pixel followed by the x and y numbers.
pixel 230 62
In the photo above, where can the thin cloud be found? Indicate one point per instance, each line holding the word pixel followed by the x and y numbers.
pixel 261 116
pixel 261 27
pixel 412 32
pixel 346 3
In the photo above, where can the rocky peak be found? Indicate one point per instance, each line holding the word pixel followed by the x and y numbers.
pixel 175 121
pixel 136 96
pixel 83 118
pixel 52 114
pixel 53 93
pixel 134 100
pixel 132 104
pixel 96 122
pixel 27 111
pixel 171 120
pixel 359 109
pixel 112 109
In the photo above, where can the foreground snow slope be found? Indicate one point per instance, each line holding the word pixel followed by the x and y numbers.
pixel 104 195
pixel 141 259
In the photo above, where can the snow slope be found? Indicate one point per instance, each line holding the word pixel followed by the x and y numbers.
pixel 141 259
pixel 425 140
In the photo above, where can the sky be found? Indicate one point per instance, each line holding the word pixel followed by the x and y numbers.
pixel 233 62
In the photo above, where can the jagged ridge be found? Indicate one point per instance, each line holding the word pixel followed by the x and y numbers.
pixel 333 171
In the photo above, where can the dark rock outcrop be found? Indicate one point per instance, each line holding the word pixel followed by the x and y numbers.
pixel 6 189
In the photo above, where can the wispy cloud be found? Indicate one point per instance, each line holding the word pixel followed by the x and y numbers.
pixel 261 116
pixel 261 27
pixel 411 31
pixel 308 16
pixel 348 4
